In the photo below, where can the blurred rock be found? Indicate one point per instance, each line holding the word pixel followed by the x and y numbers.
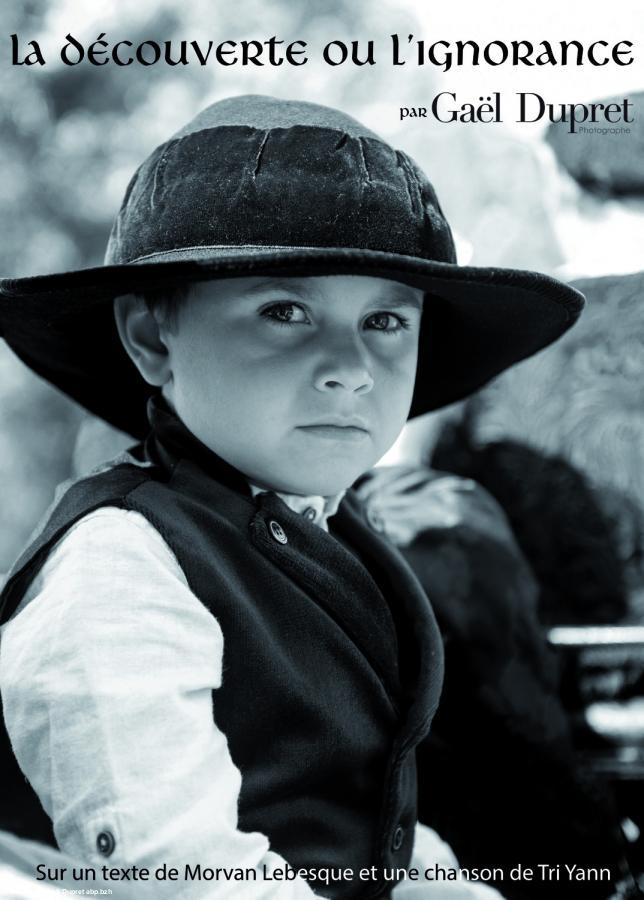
pixel 582 399
pixel 611 164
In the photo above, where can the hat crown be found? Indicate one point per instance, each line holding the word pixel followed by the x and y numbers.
pixel 264 112
pixel 255 171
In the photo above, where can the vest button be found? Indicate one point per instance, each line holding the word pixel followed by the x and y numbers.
pixel 105 843
pixel 398 838
pixel 278 532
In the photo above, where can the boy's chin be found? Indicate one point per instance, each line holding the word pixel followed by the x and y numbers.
pixel 311 483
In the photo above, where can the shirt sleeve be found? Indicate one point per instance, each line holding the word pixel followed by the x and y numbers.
pixel 431 852
pixel 107 676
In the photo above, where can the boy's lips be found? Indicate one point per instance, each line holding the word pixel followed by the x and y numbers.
pixel 336 428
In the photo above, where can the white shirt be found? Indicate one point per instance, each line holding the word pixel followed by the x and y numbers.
pixel 107 695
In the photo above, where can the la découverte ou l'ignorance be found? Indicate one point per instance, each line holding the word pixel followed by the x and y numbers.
pixel 276 52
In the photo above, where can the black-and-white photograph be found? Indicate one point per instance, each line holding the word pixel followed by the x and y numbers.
pixel 322 450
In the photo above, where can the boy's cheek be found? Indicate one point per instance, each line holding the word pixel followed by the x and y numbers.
pixel 396 387
pixel 401 367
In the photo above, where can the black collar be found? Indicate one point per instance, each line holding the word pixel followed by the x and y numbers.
pixel 170 441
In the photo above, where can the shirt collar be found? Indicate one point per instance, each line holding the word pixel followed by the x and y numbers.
pixel 313 507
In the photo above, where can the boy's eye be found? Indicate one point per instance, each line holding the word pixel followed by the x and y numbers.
pixel 387 322
pixel 286 314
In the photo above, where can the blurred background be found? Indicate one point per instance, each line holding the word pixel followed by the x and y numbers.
pixel 558 442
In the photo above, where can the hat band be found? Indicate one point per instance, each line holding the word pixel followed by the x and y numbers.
pixel 205 252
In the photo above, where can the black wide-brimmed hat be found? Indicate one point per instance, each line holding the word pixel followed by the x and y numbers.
pixel 254 185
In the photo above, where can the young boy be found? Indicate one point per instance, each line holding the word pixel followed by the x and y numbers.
pixel 209 655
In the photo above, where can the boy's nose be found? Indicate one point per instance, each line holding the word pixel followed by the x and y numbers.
pixel 346 369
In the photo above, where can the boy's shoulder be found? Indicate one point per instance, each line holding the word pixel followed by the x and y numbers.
pixel 189 510
pixel 107 486
pixel 181 504
pixel 115 485
pixel 126 481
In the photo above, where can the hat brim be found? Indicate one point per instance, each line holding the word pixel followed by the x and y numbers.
pixel 477 321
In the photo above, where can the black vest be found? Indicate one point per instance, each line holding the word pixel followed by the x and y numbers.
pixel 332 658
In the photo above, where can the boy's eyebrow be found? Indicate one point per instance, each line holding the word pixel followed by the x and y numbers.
pixel 396 297
pixel 294 285
pixel 402 300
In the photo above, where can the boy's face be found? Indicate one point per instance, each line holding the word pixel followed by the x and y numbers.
pixel 302 384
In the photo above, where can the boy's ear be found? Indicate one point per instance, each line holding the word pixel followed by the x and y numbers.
pixel 142 338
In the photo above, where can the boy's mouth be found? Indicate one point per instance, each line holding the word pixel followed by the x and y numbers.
pixel 338 429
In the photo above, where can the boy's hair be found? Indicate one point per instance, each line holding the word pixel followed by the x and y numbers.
pixel 166 301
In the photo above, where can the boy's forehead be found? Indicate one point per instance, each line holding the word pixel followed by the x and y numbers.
pixel 314 287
